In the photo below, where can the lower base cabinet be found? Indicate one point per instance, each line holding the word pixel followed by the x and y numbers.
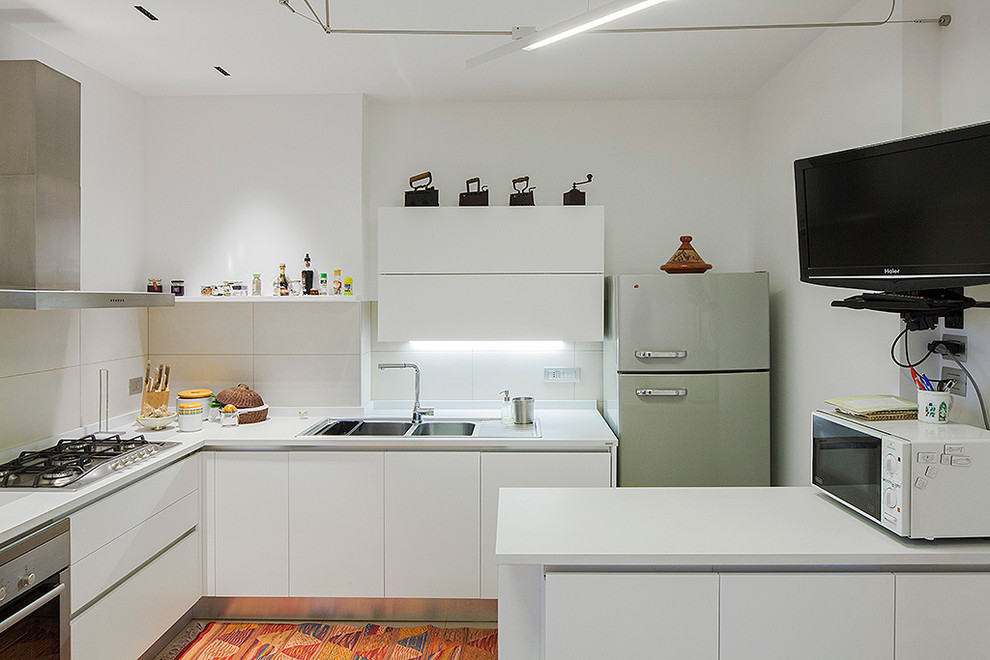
pixel 942 615
pixel 646 615
pixel 812 616
pixel 129 619
pixel 368 524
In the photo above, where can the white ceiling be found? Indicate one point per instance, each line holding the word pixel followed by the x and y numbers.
pixel 269 51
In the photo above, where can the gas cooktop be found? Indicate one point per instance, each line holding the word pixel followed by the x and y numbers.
pixel 74 463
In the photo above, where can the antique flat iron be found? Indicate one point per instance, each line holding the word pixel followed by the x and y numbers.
pixel 476 197
pixel 575 197
pixel 524 194
pixel 422 194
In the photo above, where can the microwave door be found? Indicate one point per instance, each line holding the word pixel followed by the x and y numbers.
pixel 846 464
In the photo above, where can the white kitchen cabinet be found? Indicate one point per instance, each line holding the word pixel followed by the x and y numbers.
pixel 632 615
pixel 251 528
pixel 336 524
pixel 129 619
pixel 432 524
pixel 529 470
pixel 813 616
pixel 491 273
pixel 941 615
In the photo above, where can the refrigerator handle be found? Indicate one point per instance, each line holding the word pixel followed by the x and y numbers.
pixel 680 391
pixel 661 354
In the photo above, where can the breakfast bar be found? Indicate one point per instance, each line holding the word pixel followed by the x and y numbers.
pixel 727 573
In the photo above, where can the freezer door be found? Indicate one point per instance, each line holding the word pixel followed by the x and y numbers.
pixel 710 322
pixel 694 430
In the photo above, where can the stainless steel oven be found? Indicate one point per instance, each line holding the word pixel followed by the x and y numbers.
pixel 34 595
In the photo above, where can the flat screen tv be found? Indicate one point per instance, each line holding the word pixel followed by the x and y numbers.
pixel 910 215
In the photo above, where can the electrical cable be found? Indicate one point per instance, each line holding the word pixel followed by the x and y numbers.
pixel 908 364
pixel 979 394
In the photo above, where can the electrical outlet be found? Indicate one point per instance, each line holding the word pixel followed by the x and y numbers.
pixel 134 385
pixel 561 374
pixel 961 356
pixel 948 373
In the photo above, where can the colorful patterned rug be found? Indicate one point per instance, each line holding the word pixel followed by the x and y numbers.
pixel 327 641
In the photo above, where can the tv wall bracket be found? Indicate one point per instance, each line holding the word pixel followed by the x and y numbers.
pixel 920 310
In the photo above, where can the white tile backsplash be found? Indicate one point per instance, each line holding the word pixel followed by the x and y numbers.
pixel 38 405
pixel 308 380
pixel 38 340
pixel 113 334
pixel 212 372
pixel 203 328
pixel 444 376
pixel 307 328
pixel 120 401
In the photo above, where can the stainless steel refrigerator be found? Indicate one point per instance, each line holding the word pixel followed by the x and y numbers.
pixel 687 378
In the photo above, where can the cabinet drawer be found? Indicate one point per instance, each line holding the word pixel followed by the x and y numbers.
pixel 99 523
pixel 135 614
pixel 100 570
pixel 491 307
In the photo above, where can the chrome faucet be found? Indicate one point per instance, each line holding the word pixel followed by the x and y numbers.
pixel 418 411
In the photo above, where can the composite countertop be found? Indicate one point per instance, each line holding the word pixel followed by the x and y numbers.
pixel 708 529
pixel 562 430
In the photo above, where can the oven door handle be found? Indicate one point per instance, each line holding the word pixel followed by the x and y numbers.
pixel 33 607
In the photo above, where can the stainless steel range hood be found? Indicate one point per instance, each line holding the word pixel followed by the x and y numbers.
pixel 39 195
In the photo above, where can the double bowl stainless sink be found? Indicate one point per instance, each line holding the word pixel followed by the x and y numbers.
pixel 392 428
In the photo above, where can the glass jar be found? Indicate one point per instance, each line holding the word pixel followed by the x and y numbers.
pixel 154 285
pixel 179 287
pixel 256 284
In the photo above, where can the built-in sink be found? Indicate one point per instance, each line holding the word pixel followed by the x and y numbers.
pixel 444 428
pixel 381 428
pixel 389 428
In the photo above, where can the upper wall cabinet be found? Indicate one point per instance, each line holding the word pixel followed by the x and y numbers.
pixel 491 273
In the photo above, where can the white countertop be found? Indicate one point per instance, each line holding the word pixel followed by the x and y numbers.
pixel 707 529
pixel 566 429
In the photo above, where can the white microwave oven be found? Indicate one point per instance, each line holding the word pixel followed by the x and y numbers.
pixel 921 481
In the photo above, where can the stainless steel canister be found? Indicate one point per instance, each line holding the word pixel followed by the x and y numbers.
pixel 522 409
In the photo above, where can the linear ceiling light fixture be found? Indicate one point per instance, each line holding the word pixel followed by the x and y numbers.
pixel 589 21
pixel 147 14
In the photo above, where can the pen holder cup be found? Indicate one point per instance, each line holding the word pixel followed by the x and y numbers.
pixel 934 407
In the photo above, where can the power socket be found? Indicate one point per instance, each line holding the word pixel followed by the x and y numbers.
pixel 949 373
pixel 134 385
pixel 561 374
pixel 961 355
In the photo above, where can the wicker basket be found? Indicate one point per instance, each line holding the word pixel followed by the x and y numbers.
pixel 252 415
pixel 250 406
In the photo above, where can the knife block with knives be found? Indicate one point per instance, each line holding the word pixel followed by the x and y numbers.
pixel 155 394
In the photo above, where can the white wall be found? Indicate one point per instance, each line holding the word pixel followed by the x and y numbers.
pixel 112 168
pixel 843 91
pixel 965 99
pixel 237 184
pixel 661 169
pixel 50 360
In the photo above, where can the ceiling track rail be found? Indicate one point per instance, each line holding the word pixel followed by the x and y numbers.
pixel 324 23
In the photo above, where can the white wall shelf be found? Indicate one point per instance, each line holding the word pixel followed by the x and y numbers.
pixel 183 300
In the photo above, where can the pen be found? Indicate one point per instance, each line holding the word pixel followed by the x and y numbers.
pixel 928 383
pixel 917 381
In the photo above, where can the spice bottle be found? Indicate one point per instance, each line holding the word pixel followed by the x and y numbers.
pixel 306 277
pixel 323 284
pixel 283 281
pixel 256 284
pixel 337 284
pixel 348 286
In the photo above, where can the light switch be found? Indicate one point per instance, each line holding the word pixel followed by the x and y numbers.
pixel 561 374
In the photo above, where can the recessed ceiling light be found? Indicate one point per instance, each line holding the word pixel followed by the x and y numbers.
pixel 148 14
pixel 222 71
